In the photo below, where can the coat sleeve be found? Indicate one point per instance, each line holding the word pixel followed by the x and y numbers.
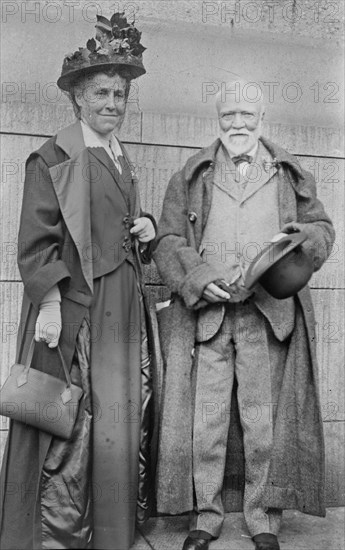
pixel 41 233
pixel 146 253
pixel 313 220
pixel 179 265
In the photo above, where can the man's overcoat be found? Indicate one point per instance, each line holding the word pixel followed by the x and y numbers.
pixel 296 476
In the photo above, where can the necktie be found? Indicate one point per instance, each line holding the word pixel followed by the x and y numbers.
pixel 113 154
pixel 238 160
pixel 241 158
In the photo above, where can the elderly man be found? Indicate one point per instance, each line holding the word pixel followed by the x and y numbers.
pixel 220 210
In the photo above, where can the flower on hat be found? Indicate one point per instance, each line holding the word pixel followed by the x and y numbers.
pixel 117 43
pixel 113 37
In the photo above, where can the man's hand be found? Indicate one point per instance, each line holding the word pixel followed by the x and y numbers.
pixel 143 229
pixel 292 227
pixel 213 294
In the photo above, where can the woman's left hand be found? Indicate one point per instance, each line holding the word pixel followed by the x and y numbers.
pixel 143 229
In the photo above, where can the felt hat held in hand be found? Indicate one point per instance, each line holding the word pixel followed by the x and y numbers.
pixel 283 268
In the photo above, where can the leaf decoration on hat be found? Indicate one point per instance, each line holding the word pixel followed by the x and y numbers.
pixel 83 54
pixel 103 23
pixel 138 49
pixel 91 45
pixel 118 19
pixel 116 32
pixel 134 36
pixel 116 37
pixel 103 32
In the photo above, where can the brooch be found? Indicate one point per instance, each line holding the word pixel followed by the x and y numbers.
pixel 270 164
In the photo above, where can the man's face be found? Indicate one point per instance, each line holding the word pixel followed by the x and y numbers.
pixel 240 124
pixel 102 100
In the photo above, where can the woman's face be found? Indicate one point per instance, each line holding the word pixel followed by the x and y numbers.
pixel 102 100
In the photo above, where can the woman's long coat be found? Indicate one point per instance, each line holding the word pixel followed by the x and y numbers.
pixel 55 249
pixel 296 478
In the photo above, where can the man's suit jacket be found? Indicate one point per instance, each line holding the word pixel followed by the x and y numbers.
pixel 280 314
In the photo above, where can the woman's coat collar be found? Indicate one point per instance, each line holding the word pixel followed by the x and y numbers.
pixel 70 139
pixel 71 181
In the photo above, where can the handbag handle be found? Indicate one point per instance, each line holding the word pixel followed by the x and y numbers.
pixel 23 377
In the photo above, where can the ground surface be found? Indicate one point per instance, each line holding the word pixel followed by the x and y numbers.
pixel 298 532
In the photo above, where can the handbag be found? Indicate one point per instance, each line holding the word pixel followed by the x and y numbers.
pixel 39 399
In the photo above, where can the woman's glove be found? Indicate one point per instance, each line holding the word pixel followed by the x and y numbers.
pixel 143 229
pixel 48 323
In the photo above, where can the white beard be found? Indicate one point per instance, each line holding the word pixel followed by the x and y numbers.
pixel 240 145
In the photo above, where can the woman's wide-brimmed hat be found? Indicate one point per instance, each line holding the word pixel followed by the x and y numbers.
pixel 117 44
pixel 283 268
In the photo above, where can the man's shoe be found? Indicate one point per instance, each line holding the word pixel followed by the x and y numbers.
pixel 266 541
pixel 197 542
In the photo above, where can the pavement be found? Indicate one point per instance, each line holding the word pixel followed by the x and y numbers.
pixel 298 532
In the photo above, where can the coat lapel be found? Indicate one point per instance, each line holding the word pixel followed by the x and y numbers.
pixel 200 188
pixel 102 156
pixel 134 182
pixel 71 180
pixel 260 172
pixel 224 174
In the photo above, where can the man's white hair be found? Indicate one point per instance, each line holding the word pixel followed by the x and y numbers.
pixel 238 87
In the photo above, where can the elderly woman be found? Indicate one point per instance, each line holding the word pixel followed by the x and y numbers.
pixel 82 239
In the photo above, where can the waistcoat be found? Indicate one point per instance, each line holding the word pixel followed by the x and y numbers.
pixel 112 202
pixel 243 218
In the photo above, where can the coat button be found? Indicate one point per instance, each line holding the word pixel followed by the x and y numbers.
pixel 126 244
pixel 192 217
pixel 128 221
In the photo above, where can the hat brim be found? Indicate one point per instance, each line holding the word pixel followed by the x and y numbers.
pixel 66 81
pixel 270 255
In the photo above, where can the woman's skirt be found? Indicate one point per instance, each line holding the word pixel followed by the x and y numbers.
pixel 87 494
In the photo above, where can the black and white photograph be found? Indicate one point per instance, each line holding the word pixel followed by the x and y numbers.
pixel 172 275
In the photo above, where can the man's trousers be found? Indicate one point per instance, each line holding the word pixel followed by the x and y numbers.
pixel 245 347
